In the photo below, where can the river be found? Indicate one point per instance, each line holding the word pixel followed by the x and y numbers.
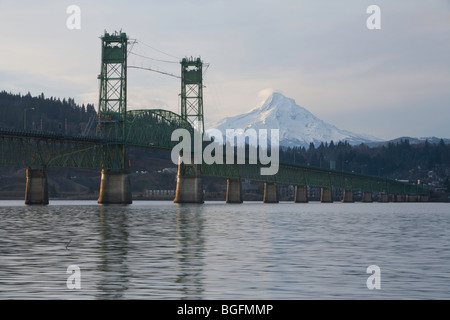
pixel 162 250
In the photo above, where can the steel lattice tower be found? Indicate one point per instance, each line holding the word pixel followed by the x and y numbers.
pixel 113 87
pixel 112 106
pixel 192 92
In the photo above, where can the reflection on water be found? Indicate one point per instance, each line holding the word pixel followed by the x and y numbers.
pixel 113 249
pixel 190 250
pixel 160 250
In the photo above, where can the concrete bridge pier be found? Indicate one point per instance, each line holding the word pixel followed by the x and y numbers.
pixel 398 198
pixel 348 196
pixel 36 190
pixel 382 197
pixel 412 198
pixel 367 197
pixel 115 188
pixel 301 194
pixel 424 198
pixel 189 182
pixel 270 192
pixel 234 191
pixel 326 195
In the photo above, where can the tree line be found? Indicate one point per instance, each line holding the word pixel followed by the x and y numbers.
pixel 398 160
pixel 25 112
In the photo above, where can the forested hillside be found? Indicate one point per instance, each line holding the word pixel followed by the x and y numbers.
pixel 400 160
pixel 40 113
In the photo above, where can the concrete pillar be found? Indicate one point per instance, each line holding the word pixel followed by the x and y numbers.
pixel 326 195
pixel 412 198
pixel 36 190
pixel 399 198
pixel 301 194
pixel 424 198
pixel 234 191
pixel 270 192
pixel 115 188
pixel 189 183
pixel 367 197
pixel 348 196
pixel 382 197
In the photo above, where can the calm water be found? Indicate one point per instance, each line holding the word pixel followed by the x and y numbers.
pixel 160 250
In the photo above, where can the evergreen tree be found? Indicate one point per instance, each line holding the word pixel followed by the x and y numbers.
pixel 51 112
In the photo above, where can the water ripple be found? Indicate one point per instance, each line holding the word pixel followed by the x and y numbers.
pixel 159 250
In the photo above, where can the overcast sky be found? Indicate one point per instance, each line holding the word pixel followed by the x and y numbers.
pixel 387 83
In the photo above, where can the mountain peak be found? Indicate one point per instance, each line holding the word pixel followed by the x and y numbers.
pixel 278 106
pixel 298 126
pixel 277 99
pixel 276 95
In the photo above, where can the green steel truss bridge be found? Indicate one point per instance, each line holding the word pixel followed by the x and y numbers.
pixel 117 129
pixel 145 128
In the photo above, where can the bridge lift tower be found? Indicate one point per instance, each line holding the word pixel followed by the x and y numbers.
pixel 189 180
pixel 112 113
pixel 113 87
pixel 192 92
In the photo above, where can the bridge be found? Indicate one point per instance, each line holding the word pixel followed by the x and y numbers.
pixel 118 129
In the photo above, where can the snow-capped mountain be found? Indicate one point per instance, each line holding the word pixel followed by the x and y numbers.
pixel 297 126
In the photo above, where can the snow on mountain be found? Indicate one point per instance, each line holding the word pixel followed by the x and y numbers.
pixel 297 126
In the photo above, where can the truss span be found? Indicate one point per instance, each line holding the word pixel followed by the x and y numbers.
pixel 153 128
